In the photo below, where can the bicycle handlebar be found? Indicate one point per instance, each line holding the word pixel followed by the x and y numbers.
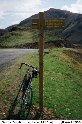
pixel 26 65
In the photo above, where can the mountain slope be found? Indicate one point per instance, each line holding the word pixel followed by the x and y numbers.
pixel 73 23
pixel 72 32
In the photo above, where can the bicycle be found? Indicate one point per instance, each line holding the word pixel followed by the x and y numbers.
pixel 23 100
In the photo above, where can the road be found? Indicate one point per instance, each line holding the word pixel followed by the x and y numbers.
pixel 6 55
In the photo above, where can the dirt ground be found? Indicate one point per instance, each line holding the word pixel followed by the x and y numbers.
pixel 47 114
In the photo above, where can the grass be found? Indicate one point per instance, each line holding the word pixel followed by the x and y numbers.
pixel 63 88
pixel 23 37
pixel 52 36
pixel 14 38
pixel 62 83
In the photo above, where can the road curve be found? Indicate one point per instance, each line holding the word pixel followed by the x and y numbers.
pixel 6 55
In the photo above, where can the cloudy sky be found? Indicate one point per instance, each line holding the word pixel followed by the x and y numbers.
pixel 14 11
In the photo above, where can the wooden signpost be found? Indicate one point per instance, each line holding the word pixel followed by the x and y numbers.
pixel 42 24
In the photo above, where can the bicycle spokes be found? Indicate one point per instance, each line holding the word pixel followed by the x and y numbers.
pixel 26 103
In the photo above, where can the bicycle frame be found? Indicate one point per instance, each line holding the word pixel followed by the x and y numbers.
pixel 26 101
pixel 18 109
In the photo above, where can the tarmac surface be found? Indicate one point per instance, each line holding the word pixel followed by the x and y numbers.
pixel 6 55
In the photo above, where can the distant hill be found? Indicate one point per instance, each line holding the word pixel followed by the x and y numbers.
pixel 72 32
pixel 2 31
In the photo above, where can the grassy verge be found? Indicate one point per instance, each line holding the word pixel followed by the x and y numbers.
pixel 20 38
pixel 62 83
pixel 11 39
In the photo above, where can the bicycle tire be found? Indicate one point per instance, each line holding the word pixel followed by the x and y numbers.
pixel 26 104
pixel 19 110
pixel 15 106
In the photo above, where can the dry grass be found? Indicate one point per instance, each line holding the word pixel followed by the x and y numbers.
pixel 74 56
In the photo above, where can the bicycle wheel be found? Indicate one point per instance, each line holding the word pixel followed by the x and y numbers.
pixel 15 107
pixel 26 104
pixel 16 110
pixel 29 96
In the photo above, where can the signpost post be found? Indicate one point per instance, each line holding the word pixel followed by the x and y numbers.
pixel 42 24
pixel 41 51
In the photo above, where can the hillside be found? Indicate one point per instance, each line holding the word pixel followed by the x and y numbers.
pixel 16 36
pixel 73 23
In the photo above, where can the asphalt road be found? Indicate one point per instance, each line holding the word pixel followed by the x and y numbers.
pixel 6 55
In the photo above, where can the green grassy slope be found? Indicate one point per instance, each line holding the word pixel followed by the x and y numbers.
pixel 14 38
pixel 62 83
pixel 23 37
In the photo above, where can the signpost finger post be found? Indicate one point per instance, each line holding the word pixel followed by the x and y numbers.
pixel 39 24
pixel 41 52
pixel 42 24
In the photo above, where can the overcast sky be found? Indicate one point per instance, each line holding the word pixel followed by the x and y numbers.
pixel 14 11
